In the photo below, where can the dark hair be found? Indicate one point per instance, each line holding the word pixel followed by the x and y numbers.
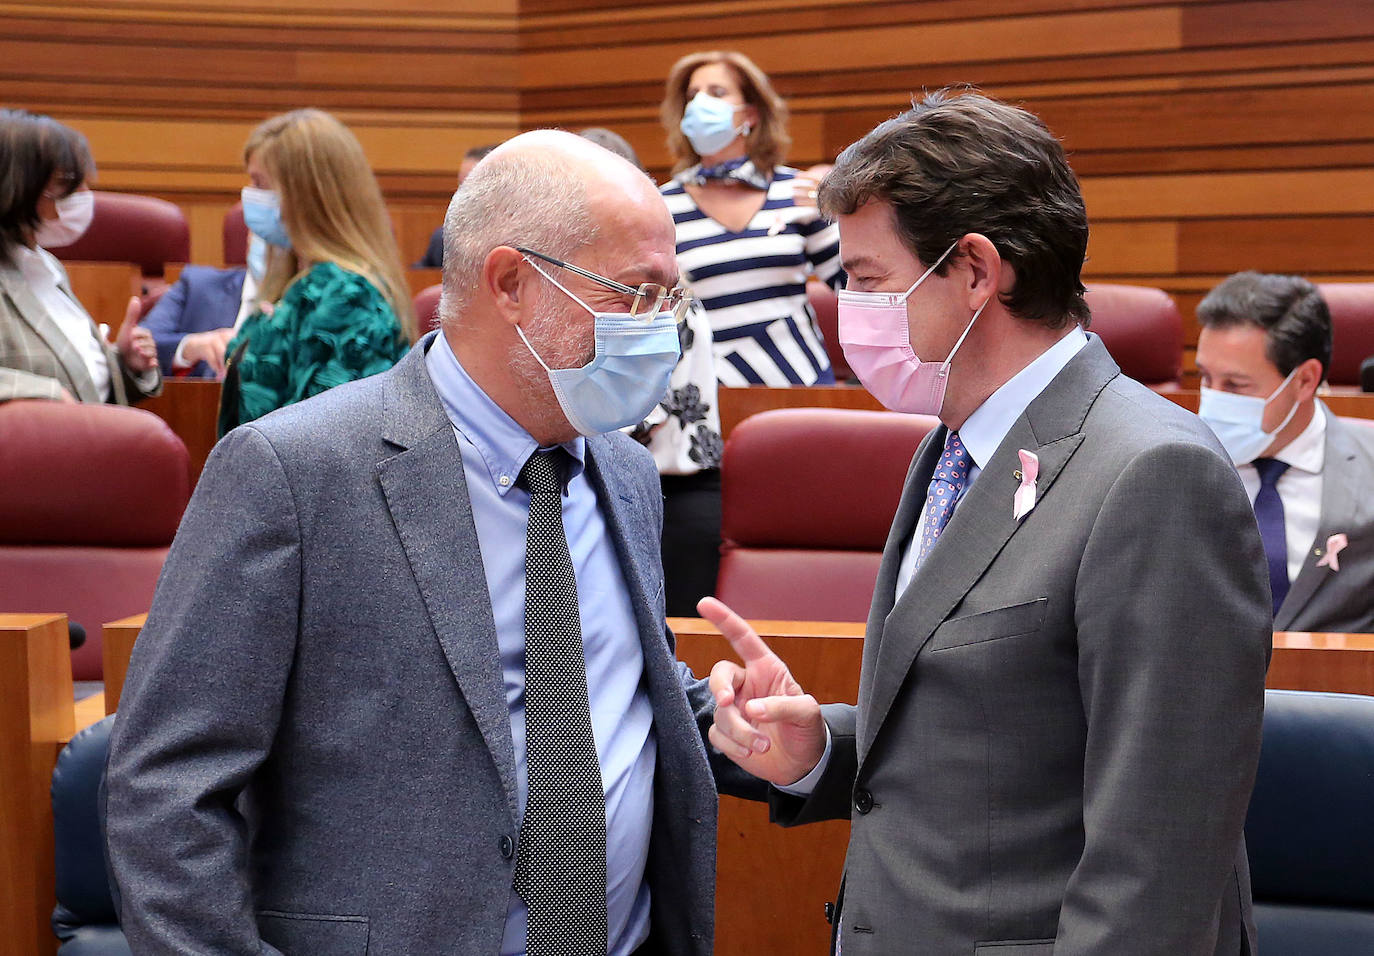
pixel 1289 309
pixel 613 141
pixel 961 162
pixel 33 150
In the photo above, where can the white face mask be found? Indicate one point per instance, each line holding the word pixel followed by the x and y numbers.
pixel 1237 420
pixel 74 215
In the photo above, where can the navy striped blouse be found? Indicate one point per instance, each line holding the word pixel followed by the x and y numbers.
pixel 753 283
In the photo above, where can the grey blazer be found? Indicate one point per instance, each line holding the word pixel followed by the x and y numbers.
pixel 1321 599
pixel 37 360
pixel 313 750
pixel 1059 721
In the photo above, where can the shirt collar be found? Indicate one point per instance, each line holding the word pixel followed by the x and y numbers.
pixel 34 265
pixel 1307 452
pixel 990 421
pixel 502 443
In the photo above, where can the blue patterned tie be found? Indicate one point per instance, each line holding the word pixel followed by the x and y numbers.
pixel 951 474
pixel 1269 517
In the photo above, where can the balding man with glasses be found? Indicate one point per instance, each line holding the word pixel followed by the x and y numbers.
pixel 436 708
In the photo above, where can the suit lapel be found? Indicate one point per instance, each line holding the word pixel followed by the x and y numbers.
pixel 444 554
pixel 981 526
pixel 1341 510
pixel 33 315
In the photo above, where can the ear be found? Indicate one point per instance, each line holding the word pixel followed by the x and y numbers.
pixel 987 273
pixel 1308 377
pixel 506 283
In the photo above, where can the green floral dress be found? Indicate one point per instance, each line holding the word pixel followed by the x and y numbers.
pixel 331 326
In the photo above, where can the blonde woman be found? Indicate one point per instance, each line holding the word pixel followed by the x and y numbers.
pixel 334 305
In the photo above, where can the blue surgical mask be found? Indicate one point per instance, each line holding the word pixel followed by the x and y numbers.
pixel 626 377
pixel 708 122
pixel 257 256
pixel 262 215
pixel 1237 420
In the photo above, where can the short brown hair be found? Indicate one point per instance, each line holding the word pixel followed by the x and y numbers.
pixel 959 162
pixel 766 143
pixel 33 150
pixel 1288 309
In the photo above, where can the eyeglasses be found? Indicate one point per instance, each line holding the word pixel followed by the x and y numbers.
pixel 650 298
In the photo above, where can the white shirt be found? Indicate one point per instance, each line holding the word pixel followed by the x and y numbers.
pixel 1299 488
pixel 43 274
pixel 990 422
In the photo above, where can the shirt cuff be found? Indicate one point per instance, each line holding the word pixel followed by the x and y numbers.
pixel 178 358
pixel 804 786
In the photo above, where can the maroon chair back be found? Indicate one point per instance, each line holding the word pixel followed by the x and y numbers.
pixel 1352 328
pixel 143 230
pixel 808 498
pixel 825 303
pixel 92 498
pixel 426 303
pixel 235 237
pixel 1142 329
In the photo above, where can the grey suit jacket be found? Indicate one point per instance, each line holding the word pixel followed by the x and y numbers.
pixel 313 751
pixel 1322 599
pixel 1059 721
pixel 37 360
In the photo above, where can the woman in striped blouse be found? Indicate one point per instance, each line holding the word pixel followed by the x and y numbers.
pixel 746 241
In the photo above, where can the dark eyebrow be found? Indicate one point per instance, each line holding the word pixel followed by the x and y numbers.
pixel 858 261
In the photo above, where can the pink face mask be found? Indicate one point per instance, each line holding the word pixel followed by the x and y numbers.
pixel 876 339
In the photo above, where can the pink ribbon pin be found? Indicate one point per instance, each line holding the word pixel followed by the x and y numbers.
pixel 1334 546
pixel 1025 494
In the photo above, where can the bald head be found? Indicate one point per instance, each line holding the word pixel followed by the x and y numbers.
pixel 546 190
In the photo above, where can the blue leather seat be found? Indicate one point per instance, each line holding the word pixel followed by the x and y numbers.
pixel 84 918
pixel 1310 830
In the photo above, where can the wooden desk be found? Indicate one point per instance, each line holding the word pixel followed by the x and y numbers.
pixel 117 645
pixel 190 407
pixel 104 288
pixel 1338 663
pixel 35 719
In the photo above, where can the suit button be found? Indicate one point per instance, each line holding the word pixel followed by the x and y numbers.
pixel 863 800
pixel 507 847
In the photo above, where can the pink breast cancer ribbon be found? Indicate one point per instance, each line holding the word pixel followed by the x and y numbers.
pixel 1334 546
pixel 1025 494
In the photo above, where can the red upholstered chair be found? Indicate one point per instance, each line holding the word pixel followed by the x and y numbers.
pixel 808 497
pixel 825 303
pixel 426 303
pixel 92 498
pixel 235 237
pixel 143 230
pixel 1352 328
pixel 1142 329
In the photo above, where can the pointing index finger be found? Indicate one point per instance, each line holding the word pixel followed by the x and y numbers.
pixel 746 643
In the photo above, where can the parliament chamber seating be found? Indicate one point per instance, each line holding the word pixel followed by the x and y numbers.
pixel 146 231
pixel 1352 329
pixel 808 496
pixel 93 497
pixel 426 304
pixel 1308 832
pixel 235 237
pixel 825 303
pixel 1142 329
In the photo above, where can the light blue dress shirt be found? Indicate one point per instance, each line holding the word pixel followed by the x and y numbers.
pixel 494 449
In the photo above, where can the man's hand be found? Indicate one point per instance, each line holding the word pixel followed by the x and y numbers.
pixel 135 343
pixel 208 347
pixel 764 721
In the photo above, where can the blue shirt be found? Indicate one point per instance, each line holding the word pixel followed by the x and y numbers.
pixel 494 449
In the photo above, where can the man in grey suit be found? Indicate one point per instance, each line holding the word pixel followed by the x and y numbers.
pixel 1059 707
pixel 327 743
pixel 1263 350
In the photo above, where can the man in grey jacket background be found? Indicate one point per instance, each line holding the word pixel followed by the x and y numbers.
pixel 405 686
pixel 1059 708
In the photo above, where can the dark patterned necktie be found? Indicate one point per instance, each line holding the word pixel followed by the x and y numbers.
pixel 951 473
pixel 1269 517
pixel 561 867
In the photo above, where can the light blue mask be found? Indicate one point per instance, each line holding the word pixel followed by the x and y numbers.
pixel 1237 420
pixel 262 215
pixel 626 377
pixel 257 256
pixel 708 122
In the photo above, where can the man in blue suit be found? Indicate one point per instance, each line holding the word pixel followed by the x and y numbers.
pixel 194 320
